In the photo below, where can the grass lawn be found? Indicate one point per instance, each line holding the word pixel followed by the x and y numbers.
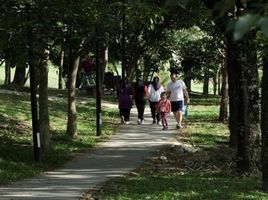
pixel 16 148
pixel 202 170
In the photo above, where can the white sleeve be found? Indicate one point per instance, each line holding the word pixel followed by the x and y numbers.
pixel 168 87
pixel 149 89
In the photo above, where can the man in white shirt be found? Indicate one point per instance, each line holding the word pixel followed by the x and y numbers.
pixel 177 90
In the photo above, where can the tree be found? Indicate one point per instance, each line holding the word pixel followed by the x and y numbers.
pixel 243 95
pixel 224 92
pixel 264 121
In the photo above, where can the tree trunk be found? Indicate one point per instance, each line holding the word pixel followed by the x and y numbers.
pixel 188 83
pixel 104 60
pixel 187 64
pixel 60 70
pixel 20 76
pixel 205 85
pixel 224 93
pixel 215 84
pixel 249 126
pixel 264 121
pixel 7 72
pixel 72 114
pixel 220 77
pixel 233 88
pixel 43 101
pixel 243 90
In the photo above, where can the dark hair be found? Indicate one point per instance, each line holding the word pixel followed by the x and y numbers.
pixel 171 74
pixel 124 82
pixel 174 70
pixel 155 83
pixel 163 93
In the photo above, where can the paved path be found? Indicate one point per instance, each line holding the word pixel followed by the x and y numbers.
pixel 122 153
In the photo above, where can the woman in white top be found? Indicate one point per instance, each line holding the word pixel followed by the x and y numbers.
pixel 154 90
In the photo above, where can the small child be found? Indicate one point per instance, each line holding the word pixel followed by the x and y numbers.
pixel 164 107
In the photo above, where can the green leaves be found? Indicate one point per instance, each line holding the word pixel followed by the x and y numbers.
pixel 263 24
pixel 247 22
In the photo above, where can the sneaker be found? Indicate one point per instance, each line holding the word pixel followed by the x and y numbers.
pixel 127 122
pixel 122 120
pixel 154 121
pixel 139 122
pixel 158 122
pixel 165 128
pixel 179 126
pixel 142 121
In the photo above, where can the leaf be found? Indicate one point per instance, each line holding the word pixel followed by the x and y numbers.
pixel 263 24
pixel 244 25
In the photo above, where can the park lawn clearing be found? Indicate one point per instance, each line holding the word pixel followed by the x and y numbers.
pixel 197 166
pixel 16 146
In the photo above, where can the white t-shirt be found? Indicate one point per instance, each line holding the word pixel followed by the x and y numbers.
pixel 154 95
pixel 176 90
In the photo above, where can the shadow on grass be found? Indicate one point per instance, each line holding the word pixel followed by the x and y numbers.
pixel 200 175
pixel 186 187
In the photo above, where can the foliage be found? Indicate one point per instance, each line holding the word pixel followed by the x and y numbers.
pixel 197 51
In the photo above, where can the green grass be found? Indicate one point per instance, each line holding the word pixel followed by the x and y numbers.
pixel 16 148
pixel 184 187
pixel 208 173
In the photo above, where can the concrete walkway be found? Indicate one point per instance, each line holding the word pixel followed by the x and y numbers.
pixel 122 153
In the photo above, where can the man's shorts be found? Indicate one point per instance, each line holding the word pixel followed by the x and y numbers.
pixel 176 106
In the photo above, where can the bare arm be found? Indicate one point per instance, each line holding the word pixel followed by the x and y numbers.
pixel 186 95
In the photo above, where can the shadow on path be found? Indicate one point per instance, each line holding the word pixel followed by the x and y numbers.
pixel 122 153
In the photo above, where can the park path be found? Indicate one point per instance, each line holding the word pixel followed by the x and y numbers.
pixel 122 153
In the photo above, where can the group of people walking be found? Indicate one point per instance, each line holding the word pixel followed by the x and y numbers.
pixel 162 101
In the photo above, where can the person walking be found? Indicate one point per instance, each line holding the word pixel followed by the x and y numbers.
pixel 154 91
pixel 140 92
pixel 164 107
pixel 177 90
pixel 124 95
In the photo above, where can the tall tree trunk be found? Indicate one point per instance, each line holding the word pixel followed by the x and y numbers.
pixel 72 114
pixel 233 89
pixel 215 84
pixel 224 93
pixel 243 87
pixel 60 70
pixel 20 76
pixel 43 101
pixel 205 85
pixel 220 77
pixel 188 83
pixel 104 60
pixel 264 121
pixel 7 71
pixel 249 123
pixel 187 64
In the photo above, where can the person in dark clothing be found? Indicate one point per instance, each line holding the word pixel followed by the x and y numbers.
pixel 140 95
pixel 124 95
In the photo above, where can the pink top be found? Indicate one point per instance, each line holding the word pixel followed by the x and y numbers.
pixel 163 106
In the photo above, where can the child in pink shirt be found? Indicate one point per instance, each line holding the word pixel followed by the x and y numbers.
pixel 164 107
